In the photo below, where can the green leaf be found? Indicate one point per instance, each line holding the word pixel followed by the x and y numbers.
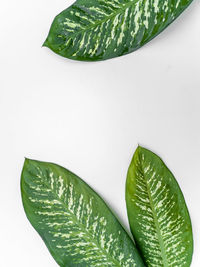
pixel 93 30
pixel 74 222
pixel 157 212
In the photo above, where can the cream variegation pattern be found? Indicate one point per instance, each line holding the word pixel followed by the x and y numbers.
pixel 100 29
pixel 157 212
pixel 74 222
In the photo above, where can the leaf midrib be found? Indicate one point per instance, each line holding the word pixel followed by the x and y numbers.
pixel 160 239
pixel 74 218
pixel 114 14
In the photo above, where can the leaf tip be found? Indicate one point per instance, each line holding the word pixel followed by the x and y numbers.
pixel 139 149
pixel 45 44
pixel 27 163
pixel 26 160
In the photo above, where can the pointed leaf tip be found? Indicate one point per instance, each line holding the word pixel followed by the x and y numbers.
pixel 45 44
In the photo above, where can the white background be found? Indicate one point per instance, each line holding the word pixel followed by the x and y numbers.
pixel 89 117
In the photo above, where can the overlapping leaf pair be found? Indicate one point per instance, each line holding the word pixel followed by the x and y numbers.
pixel 93 30
pixel 80 230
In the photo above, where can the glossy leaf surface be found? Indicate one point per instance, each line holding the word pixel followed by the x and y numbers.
pixel 157 212
pixel 74 222
pixel 100 29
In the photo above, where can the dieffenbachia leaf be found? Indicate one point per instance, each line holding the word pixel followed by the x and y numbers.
pixel 157 212
pixel 93 30
pixel 74 222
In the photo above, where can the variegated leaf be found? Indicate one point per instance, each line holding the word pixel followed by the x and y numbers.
pixel 74 222
pixel 157 212
pixel 100 29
